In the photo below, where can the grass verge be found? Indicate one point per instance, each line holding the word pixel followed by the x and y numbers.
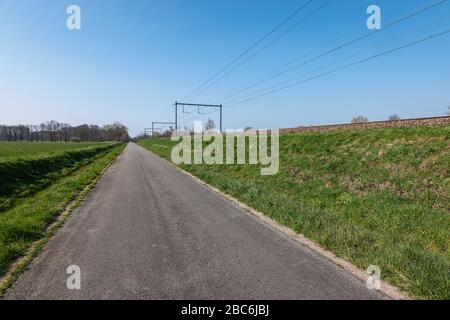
pixel 373 197
pixel 29 222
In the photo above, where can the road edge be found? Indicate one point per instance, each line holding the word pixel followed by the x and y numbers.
pixel 20 264
pixel 385 288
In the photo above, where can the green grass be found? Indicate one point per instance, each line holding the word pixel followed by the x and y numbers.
pixel 27 222
pixel 374 197
pixel 10 151
pixel 24 173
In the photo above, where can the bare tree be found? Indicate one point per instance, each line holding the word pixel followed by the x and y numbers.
pixel 394 117
pixel 3 132
pixel 55 131
pixel 30 136
pixel 210 125
pixel 115 132
pixel 65 131
pixel 14 131
pixel 53 128
pixel 360 119
pixel 167 133
pixel 7 133
pixel 24 132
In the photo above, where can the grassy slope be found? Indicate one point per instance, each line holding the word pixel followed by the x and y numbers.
pixel 373 197
pixel 24 174
pixel 27 222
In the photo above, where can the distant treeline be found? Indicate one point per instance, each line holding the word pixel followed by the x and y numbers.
pixel 55 131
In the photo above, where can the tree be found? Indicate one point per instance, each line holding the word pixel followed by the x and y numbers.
pixel 31 130
pixel 3 132
pixel 210 125
pixel 168 132
pixel 65 132
pixel 52 127
pixel 55 131
pixel 82 132
pixel 448 113
pixel 115 132
pixel 42 130
pixel 360 119
pixel 24 132
pixel 394 117
pixel 13 132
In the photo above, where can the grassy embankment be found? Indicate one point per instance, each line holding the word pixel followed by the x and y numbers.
pixel 26 168
pixel 374 197
pixel 41 186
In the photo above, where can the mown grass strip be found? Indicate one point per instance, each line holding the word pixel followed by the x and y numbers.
pixel 373 197
pixel 28 222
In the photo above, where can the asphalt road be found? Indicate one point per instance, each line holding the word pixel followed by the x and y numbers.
pixel 148 231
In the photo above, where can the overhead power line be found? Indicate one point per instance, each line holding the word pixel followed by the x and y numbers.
pixel 248 50
pixel 265 79
pixel 343 67
pixel 440 21
pixel 265 46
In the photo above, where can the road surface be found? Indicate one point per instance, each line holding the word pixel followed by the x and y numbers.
pixel 148 231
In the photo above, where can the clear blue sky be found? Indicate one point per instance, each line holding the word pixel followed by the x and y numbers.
pixel 132 59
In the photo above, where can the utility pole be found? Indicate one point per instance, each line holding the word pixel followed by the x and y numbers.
pixel 176 115
pixel 221 118
pixel 218 106
pixel 161 123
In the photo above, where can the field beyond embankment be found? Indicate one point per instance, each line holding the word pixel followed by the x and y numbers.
pixel 374 197
pixel 11 151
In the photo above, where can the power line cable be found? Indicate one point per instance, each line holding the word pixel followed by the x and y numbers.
pixel 270 90
pixel 265 46
pixel 343 67
pixel 328 52
pixel 442 19
pixel 249 49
